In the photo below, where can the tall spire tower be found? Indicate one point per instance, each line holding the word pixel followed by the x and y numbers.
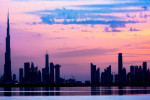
pixel 7 65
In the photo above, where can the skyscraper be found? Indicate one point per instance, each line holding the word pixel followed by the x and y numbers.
pixel 51 73
pixel 106 76
pixel 144 66
pixel 14 77
pixel 20 75
pixel 7 65
pixel 120 67
pixel 46 74
pixel 144 71
pixel 98 76
pixel 95 75
pixel 39 76
pixel 45 71
pixel 93 70
pixel 57 73
pixel 26 71
pixel 47 62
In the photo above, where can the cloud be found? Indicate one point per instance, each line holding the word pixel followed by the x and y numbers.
pixel 54 38
pixel 115 24
pixel 72 16
pixel 112 23
pixel 47 20
pixel 84 52
pixel 144 15
pixel 145 7
pixel 83 13
pixel 37 35
pixel 85 31
pixel 116 30
pixel 118 5
pixel 33 23
pixel 95 14
pixel 108 29
pixel 133 29
pixel 131 16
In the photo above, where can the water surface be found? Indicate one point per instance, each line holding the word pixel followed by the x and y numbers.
pixel 74 91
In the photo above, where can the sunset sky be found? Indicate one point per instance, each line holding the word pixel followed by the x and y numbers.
pixel 76 33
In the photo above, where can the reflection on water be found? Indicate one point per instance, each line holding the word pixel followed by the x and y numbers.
pixel 73 91
pixel 7 93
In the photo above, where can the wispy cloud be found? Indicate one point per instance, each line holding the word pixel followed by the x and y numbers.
pixel 54 38
pixel 132 3
pixel 85 52
pixel 112 23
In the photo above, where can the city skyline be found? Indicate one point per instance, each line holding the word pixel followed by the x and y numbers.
pixel 71 46
pixel 50 74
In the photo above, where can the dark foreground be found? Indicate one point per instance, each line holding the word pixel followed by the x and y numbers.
pixel 72 85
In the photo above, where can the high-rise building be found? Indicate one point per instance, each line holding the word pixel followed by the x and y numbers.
pixel 93 71
pixel 57 73
pixel 39 76
pixel 20 75
pixel 144 66
pixel 7 65
pixel 14 77
pixel 132 69
pixel 45 71
pixel 46 68
pixel 106 76
pixel 47 62
pixel 145 71
pixel 26 71
pixel 95 75
pixel 120 65
pixel 124 75
pixel 33 74
pixel 43 75
pixel 51 73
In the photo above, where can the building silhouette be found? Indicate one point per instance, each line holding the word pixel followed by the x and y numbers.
pixel 14 78
pixel 33 73
pixel 45 71
pixel 124 77
pixel 93 71
pixel 51 72
pixel 26 72
pixel 21 75
pixel 95 75
pixel 145 71
pixel 39 76
pixel 106 76
pixel 98 76
pixel 7 66
pixel 120 64
pixel 57 73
